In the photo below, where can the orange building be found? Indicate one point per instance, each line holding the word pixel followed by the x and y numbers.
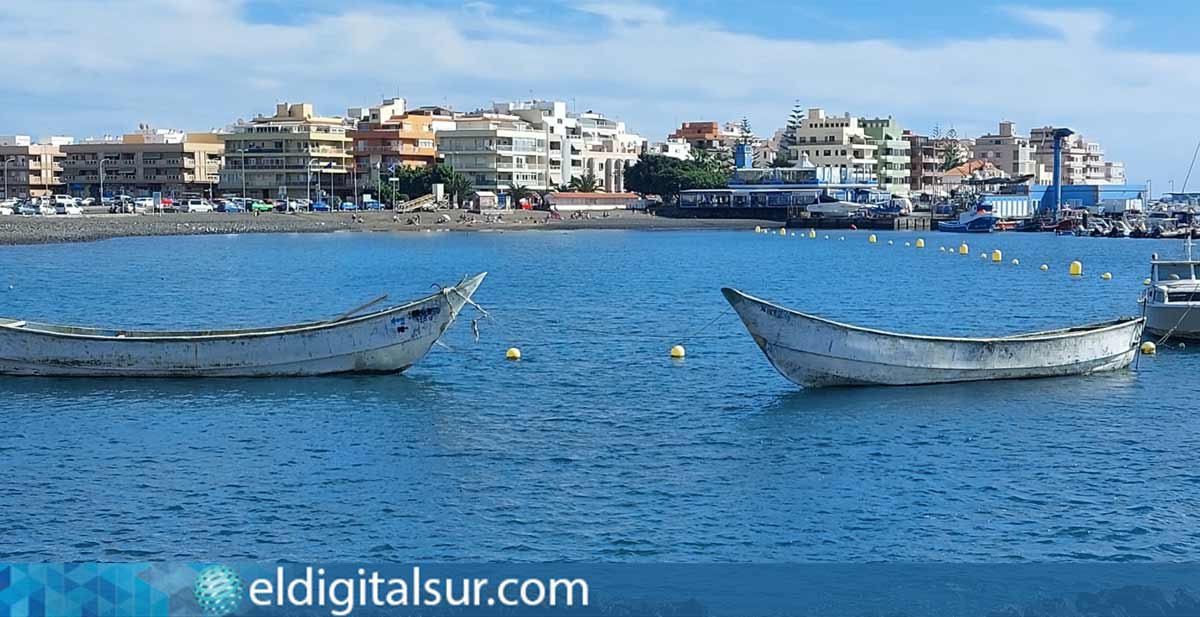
pixel 389 135
pixel 701 135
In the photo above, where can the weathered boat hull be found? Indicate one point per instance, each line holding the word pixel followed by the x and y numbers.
pixel 815 352
pixel 1180 322
pixel 385 341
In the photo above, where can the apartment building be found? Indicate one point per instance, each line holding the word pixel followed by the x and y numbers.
pixel 1007 151
pixel 144 162
pixel 580 143
pixel 497 151
pixel 31 169
pixel 925 158
pixel 893 155
pixel 838 146
pixel 293 153
pixel 1082 159
pixel 673 147
pixel 389 136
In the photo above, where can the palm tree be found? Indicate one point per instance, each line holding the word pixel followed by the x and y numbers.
pixel 519 192
pixel 586 183
pixel 459 187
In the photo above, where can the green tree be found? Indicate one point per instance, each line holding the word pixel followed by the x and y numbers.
pixel 655 174
pixel 586 183
pixel 458 187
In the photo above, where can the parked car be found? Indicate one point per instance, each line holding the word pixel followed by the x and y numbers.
pixel 68 209
pixel 6 211
pixel 372 205
pixel 28 209
pixel 146 203
pixel 320 206
pixel 63 200
pixel 87 201
pixel 196 205
pixel 261 206
pixel 348 206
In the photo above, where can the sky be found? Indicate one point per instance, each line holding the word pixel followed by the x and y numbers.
pixel 1124 73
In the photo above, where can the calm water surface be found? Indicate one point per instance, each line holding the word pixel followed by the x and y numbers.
pixel 596 446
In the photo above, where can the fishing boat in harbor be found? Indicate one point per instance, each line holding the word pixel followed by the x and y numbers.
pixel 979 221
pixel 813 352
pixel 388 340
pixel 1172 303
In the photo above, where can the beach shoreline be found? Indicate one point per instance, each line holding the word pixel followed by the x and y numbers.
pixel 25 230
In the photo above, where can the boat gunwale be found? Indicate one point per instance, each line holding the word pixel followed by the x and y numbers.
pixel 30 327
pixel 1041 335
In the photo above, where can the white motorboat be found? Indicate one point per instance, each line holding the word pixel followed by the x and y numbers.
pixel 384 341
pixel 812 351
pixel 1172 303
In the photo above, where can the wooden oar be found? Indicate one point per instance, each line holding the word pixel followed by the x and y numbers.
pixel 360 308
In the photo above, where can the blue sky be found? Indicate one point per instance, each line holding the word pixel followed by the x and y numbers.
pixel 1124 73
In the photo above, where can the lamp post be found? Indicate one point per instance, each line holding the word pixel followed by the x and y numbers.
pixel 11 159
pixel 243 153
pixel 102 161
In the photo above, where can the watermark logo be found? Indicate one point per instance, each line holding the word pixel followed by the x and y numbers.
pixel 218 590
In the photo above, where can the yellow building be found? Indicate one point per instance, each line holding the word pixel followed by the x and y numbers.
pixel 148 161
pixel 294 154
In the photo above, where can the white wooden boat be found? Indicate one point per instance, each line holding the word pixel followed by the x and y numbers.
pixel 384 341
pixel 814 352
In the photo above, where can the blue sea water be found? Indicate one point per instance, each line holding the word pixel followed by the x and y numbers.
pixel 596 446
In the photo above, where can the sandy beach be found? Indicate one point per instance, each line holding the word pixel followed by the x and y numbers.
pixel 49 229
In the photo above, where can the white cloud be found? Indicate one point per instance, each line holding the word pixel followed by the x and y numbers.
pixel 89 68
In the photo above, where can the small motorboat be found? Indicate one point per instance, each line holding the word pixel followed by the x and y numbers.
pixel 388 340
pixel 812 351
pixel 1172 303
pixel 980 221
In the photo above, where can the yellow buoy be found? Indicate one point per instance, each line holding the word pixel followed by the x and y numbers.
pixel 920 243
pixel 963 249
pixel 678 351
pixel 1043 267
pixel 1016 262
pixel 1149 348
pixel 997 256
pixel 812 233
pixel 1106 276
pixel 782 231
pixel 513 353
pixel 758 229
pixel 871 239
pixel 1076 268
pixel 1145 281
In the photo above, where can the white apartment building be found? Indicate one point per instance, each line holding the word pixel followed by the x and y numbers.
pixel 580 143
pixel 673 147
pixel 1082 160
pixel 837 145
pixel 497 151
pixel 1009 152
pixel 293 153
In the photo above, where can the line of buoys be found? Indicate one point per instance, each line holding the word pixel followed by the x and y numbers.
pixel 1106 276
pixel 512 354
pixel 907 244
pixel 942 249
pixel 1076 269
pixel 997 256
pixel 920 243
pixel 758 229
pixel 841 237
pixel 963 249
pixel 1044 268
pixel 890 242
pixel 983 255
pixel 1149 348
pixel 783 231
pixel 1016 262
pixel 827 236
pixel 812 233
pixel 678 352
pixel 871 239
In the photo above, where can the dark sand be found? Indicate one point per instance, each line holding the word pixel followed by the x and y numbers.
pixel 16 229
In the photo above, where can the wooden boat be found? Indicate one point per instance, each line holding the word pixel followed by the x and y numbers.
pixel 813 352
pixel 384 341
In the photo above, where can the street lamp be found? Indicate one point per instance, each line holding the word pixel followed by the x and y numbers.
pixel 11 159
pixel 102 161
